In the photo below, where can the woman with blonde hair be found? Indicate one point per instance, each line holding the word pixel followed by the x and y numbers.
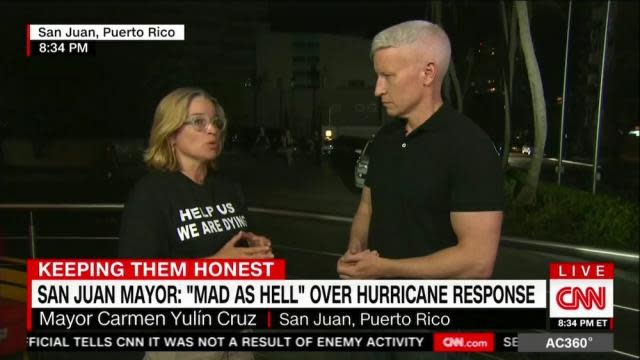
pixel 183 208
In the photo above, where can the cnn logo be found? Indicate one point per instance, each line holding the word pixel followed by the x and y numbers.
pixel 463 342
pixel 581 290
pixel 453 342
pixel 572 298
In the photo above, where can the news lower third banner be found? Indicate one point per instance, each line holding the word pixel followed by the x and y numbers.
pixel 247 305
pixel 81 39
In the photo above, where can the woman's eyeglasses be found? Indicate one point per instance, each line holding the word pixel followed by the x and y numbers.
pixel 200 122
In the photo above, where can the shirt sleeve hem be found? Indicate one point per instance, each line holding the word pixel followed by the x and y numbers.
pixel 478 207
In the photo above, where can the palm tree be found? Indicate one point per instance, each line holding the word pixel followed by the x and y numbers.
pixel 452 75
pixel 528 193
pixel 509 28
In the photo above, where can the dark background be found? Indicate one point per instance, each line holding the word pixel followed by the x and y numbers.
pixel 112 95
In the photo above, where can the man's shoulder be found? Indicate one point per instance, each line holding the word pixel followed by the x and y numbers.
pixel 459 121
pixel 466 136
pixel 463 128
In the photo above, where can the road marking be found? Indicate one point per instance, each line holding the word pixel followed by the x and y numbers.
pixel 547 244
pixel 626 308
pixel 626 354
pixel 301 214
pixel 571 162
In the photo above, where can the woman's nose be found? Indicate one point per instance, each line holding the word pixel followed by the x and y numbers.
pixel 212 129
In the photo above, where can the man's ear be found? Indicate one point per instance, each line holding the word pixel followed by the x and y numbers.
pixel 428 74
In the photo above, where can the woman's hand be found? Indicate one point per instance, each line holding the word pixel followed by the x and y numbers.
pixel 259 247
pixel 257 240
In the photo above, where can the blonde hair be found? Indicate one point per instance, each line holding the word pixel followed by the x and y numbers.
pixel 170 115
pixel 428 38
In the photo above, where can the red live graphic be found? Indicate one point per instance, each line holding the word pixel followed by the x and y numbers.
pixel 463 342
pixel 581 290
pixel 574 297
pixel 581 271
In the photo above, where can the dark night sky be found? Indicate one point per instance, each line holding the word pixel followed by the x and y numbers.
pixel 367 18
pixel 475 21
pixel 115 92
pixel 357 18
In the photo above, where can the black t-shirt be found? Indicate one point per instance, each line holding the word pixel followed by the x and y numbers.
pixel 169 215
pixel 447 164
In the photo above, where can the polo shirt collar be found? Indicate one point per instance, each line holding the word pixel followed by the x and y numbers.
pixel 435 122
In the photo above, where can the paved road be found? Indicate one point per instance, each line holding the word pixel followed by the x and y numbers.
pixel 311 247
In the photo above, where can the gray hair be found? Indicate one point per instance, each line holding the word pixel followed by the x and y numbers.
pixel 429 39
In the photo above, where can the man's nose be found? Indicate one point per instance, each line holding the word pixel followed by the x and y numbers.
pixel 380 87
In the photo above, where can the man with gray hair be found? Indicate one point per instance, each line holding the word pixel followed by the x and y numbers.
pixel 433 197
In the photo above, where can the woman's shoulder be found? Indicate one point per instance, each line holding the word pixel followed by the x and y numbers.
pixel 223 181
pixel 152 183
pixel 156 178
pixel 224 187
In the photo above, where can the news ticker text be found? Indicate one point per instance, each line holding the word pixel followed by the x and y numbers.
pixel 320 341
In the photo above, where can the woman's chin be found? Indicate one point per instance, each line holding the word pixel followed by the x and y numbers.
pixel 208 157
pixel 212 155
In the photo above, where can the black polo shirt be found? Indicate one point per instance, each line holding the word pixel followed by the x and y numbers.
pixel 447 164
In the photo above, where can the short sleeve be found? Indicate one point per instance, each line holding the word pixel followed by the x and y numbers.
pixel 477 177
pixel 242 205
pixel 141 228
pixel 241 199
pixel 372 168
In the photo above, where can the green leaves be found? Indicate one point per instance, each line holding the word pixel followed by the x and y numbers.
pixel 573 216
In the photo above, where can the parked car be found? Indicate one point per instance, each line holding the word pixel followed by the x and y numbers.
pixel 343 156
pixel 362 165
